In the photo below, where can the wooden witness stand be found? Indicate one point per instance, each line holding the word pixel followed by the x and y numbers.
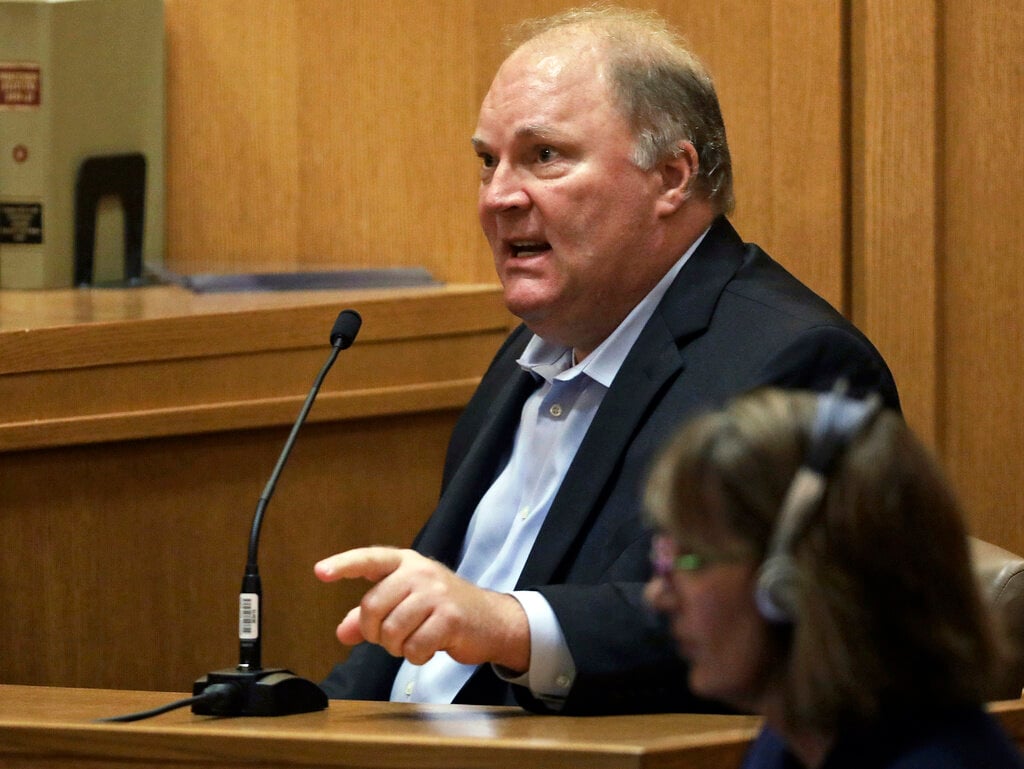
pixel 87 366
pixel 43 728
pixel 137 429
pixel 103 594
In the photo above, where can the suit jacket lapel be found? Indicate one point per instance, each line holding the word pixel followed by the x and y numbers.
pixel 441 538
pixel 657 357
pixel 619 415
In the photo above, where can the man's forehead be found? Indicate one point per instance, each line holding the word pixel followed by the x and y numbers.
pixel 558 55
pixel 523 133
pixel 537 89
pixel 549 61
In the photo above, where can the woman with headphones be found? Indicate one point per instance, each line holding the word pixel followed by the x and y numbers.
pixel 813 564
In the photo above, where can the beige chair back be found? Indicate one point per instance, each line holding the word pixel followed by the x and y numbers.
pixel 1001 576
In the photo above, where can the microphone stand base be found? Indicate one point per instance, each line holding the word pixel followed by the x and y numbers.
pixel 263 692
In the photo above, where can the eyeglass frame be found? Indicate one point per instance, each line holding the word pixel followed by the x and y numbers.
pixel 666 560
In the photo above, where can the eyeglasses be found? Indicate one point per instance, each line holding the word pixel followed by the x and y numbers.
pixel 666 558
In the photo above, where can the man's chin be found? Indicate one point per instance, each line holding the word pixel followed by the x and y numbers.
pixel 532 310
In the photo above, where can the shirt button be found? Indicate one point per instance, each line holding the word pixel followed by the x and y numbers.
pixel 524 512
pixel 563 681
pixel 409 688
pixel 555 410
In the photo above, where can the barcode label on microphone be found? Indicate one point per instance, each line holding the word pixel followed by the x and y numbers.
pixel 248 616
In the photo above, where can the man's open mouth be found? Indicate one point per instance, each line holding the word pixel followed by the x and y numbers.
pixel 528 248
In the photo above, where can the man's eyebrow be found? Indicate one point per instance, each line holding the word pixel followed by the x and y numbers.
pixel 530 131
pixel 536 131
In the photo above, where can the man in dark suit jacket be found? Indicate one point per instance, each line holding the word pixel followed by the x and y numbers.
pixel 604 186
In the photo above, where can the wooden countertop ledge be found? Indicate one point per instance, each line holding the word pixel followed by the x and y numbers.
pixel 92 365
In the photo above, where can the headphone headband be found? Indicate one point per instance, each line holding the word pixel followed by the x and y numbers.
pixel 838 420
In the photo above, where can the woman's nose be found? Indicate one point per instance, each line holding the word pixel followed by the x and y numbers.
pixel 658 593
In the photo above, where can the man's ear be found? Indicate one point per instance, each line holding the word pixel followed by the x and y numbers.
pixel 678 176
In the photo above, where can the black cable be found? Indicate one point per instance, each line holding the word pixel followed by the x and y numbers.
pixel 215 693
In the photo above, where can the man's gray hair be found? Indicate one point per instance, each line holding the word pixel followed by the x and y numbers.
pixel 662 88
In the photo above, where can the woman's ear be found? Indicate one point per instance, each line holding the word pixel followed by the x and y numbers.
pixel 678 175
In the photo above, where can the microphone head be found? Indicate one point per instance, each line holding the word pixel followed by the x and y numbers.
pixel 345 329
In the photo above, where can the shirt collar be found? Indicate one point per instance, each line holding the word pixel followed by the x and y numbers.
pixel 554 361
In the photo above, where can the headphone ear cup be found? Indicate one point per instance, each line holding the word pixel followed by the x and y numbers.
pixel 776 590
pixel 837 422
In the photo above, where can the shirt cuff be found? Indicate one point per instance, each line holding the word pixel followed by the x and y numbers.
pixel 552 670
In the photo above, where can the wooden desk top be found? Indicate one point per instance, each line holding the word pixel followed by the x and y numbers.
pixel 92 365
pixel 41 329
pixel 41 726
pixel 33 310
pixel 56 727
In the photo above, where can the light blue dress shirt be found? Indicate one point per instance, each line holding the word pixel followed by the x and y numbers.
pixel 504 527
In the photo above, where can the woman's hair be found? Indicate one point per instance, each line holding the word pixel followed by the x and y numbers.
pixel 888 614
pixel 661 87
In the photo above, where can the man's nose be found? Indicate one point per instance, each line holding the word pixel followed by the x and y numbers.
pixel 503 191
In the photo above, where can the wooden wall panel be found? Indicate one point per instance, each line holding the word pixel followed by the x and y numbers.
pixel 777 68
pixel 312 134
pixel 232 140
pixel 938 244
pixel 807 198
pixel 894 259
pixel 317 133
pixel 343 141
pixel 982 166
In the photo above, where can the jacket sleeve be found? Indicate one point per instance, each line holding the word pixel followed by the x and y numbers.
pixel 367 674
pixel 626 660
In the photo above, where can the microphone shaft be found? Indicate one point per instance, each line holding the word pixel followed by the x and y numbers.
pixel 250 609
pixel 248 689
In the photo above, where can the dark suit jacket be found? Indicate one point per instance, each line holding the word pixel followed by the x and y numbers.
pixel 956 738
pixel 732 320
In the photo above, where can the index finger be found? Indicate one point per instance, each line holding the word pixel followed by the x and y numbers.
pixel 372 563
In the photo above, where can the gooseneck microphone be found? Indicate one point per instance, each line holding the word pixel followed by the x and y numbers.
pixel 249 689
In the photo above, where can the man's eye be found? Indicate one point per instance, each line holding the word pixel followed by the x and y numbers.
pixel 545 154
pixel 487 160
